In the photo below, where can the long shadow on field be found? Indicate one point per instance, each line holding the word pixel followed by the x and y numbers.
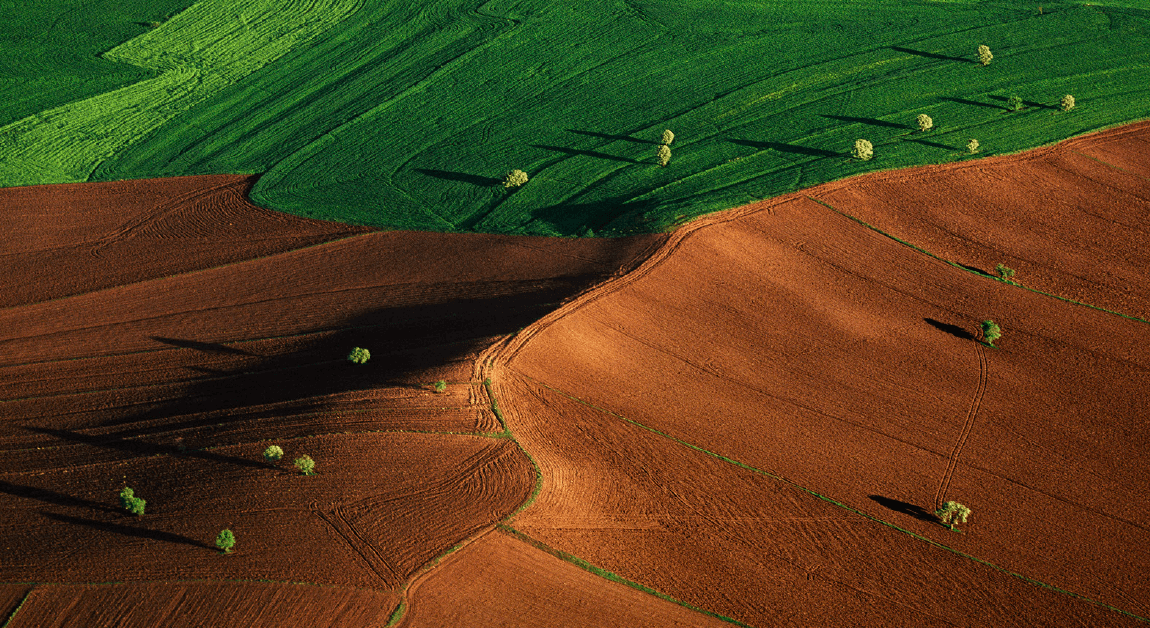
pixel 608 217
pixel 585 153
pixel 870 121
pixel 473 179
pixel 972 103
pixel 143 533
pixel 52 497
pixel 1025 103
pixel 207 347
pixel 931 144
pixel 907 509
pixel 139 448
pixel 953 330
pixel 931 55
pixel 606 136
pixel 787 148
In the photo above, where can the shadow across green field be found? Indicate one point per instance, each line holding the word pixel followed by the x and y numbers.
pixel 787 148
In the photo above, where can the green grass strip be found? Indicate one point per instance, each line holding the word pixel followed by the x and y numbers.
pixel 19 606
pixel 969 270
pixel 535 465
pixel 852 509
pixel 612 576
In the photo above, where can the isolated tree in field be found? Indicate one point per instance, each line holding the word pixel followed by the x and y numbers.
pixel 663 155
pixel 440 386
pixel 863 150
pixel 972 146
pixel 984 56
pixel 924 122
pixel 305 465
pixel 951 513
pixel 273 453
pixel 668 137
pixel 131 503
pixel 1014 103
pixel 1067 102
pixel 991 331
pixel 1004 271
pixel 358 355
pixel 514 179
pixel 225 540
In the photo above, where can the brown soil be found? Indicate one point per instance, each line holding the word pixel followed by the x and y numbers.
pixel 143 344
pixel 502 581
pixel 789 338
pixel 206 604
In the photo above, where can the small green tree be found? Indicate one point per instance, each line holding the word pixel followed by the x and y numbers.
pixel 924 122
pixel 984 56
pixel 951 513
pixel 514 179
pixel 668 137
pixel 225 540
pixel 131 503
pixel 991 331
pixel 358 355
pixel 1014 103
pixel 126 496
pixel 440 386
pixel 1004 271
pixel 663 154
pixel 863 150
pixel 1067 102
pixel 305 465
pixel 972 146
pixel 273 453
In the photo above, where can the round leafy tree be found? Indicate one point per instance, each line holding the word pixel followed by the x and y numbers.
pixel 924 122
pixel 972 146
pixel 1067 102
pixel 440 386
pixel 225 540
pixel 863 150
pixel 359 355
pixel 984 56
pixel 273 453
pixel 663 155
pixel 1014 103
pixel 514 179
pixel 668 137
pixel 951 513
pixel 991 331
pixel 305 465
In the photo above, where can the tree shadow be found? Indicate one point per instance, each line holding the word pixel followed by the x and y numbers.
pixel 953 330
pixel 126 442
pixel 1025 104
pixel 585 153
pixel 870 121
pixel 473 179
pixel 607 136
pixel 207 347
pixel 907 509
pixel 931 55
pixel 52 497
pixel 609 217
pixel 787 148
pixel 931 144
pixel 973 269
pixel 116 528
pixel 973 103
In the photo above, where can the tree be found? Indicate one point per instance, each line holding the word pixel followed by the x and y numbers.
pixel 863 150
pixel 1004 271
pixel 663 155
pixel 273 453
pixel 668 137
pixel 972 146
pixel 514 179
pixel 924 122
pixel 951 513
pixel 131 503
pixel 440 386
pixel 1067 102
pixel 984 56
pixel 358 355
pixel 991 331
pixel 305 465
pixel 225 540
pixel 1014 103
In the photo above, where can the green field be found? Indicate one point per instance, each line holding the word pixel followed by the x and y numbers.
pixel 407 116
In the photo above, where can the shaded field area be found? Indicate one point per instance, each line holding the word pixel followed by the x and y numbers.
pixel 172 373
pixel 407 117
pixel 761 419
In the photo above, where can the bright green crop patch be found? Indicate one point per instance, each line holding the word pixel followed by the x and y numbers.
pixel 407 115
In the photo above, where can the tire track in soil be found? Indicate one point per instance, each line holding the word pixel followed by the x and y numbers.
pixel 975 405
pixel 371 556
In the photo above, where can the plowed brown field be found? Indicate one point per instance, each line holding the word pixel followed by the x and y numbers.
pixel 161 334
pixel 783 351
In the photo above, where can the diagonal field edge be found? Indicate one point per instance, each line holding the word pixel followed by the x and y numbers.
pixel 973 272
pixel 814 493
pixel 609 575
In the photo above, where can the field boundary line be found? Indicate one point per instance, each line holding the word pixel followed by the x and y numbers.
pixel 975 405
pixel 609 575
pixel 1110 165
pixel 813 493
pixel 19 606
